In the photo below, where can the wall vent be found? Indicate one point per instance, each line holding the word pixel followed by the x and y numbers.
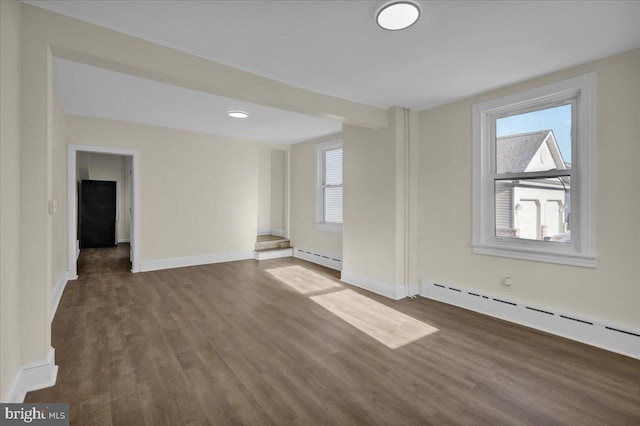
pixel 539 310
pixel 319 258
pixel 576 319
pixel 606 336
pixel 504 301
pixel 622 331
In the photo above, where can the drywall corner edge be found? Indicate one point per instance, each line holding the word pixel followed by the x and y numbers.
pixel 32 377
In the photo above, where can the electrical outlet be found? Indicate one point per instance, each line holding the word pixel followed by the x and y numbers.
pixel 507 282
pixel 53 207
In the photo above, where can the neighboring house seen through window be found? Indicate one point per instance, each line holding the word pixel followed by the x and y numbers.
pixel 328 197
pixel 533 174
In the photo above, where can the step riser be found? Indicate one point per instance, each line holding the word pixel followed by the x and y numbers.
pixel 273 254
pixel 273 245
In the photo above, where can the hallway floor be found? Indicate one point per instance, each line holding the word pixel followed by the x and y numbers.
pixel 106 260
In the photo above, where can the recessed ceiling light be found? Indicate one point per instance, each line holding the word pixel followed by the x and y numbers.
pixel 398 15
pixel 238 114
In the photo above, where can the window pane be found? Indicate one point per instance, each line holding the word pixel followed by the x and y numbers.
pixel 333 167
pixel 333 204
pixel 535 141
pixel 533 209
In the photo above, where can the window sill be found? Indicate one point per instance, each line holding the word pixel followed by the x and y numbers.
pixel 525 253
pixel 329 227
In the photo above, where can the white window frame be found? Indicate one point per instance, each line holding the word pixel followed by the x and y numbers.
pixel 581 251
pixel 320 224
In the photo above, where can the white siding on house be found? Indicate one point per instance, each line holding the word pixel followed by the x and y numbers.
pixel 504 209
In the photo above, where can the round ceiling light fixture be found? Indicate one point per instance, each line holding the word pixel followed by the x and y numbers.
pixel 238 114
pixel 398 15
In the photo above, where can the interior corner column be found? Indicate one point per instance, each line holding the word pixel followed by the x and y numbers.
pixel 36 191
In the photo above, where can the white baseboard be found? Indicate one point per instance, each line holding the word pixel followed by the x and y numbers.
pixel 123 240
pixel 56 293
pixel 381 288
pixel 327 260
pixel 610 337
pixel 278 233
pixel 273 254
pixel 412 289
pixel 32 377
pixel 180 262
pixel 378 287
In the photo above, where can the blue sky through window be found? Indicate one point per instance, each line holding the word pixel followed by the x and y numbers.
pixel 557 118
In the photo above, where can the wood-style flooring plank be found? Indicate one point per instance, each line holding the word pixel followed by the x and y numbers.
pixel 233 343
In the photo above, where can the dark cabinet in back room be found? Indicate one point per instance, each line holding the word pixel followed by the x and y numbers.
pixel 97 214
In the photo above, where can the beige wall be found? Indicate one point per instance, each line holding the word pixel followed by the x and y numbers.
pixel 264 190
pixel 302 199
pixel 9 192
pixel 277 189
pixel 187 181
pixel 59 157
pixel 610 293
pixel 95 166
pixel 36 189
pixel 127 193
pixel 271 190
pixel 369 239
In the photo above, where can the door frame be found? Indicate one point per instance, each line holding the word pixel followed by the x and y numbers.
pixel 72 192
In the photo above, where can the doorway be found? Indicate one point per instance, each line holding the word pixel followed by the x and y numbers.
pixel 98 213
pixel 126 229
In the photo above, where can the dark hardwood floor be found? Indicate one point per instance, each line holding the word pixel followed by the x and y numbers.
pixel 102 261
pixel 230 344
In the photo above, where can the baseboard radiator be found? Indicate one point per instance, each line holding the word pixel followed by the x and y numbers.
pixel 327 260
pixel 611 337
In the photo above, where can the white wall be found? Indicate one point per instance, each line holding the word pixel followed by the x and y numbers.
pixel 10 357
pixel 302 198
pixel 610 293
pixel 194 200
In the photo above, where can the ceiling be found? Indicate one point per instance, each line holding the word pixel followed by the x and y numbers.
pixel 456 49
pixel 96 92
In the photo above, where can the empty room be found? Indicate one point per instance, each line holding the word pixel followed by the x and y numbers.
pixel 319 212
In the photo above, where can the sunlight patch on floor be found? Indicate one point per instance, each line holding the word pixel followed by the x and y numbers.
pixel 302 279
pixel 388 326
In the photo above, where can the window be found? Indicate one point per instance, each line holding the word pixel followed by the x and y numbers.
pixel 533 177
pixel 328 211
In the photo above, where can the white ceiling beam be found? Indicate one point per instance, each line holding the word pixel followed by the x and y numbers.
pixel 93 45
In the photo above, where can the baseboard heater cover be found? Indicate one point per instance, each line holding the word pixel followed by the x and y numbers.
pixel 604 336
pixel 329 261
